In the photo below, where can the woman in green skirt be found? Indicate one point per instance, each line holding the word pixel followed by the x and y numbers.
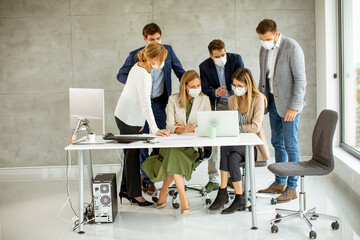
pixel 179 163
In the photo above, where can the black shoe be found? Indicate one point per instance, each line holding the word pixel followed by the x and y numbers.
pixel 221 199
pixel 237 205
pixel 125 195
pixel 141 204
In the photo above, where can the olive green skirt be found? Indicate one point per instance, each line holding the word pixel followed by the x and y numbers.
pixel 171 161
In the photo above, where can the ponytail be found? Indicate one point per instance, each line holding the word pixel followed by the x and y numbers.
pixel 141 55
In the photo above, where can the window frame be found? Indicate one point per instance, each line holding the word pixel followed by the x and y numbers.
pixel 343 145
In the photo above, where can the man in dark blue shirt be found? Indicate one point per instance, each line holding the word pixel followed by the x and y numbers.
pixel 161 88
pixel 215 74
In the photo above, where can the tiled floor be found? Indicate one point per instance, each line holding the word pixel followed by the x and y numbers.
pixel 30 210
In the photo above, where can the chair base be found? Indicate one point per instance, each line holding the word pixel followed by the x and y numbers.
pixel 174 193
pixel 306 215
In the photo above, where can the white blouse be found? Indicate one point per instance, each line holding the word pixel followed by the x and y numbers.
pixel 134 104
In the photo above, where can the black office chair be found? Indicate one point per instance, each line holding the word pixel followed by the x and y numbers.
pixel 205 154
pixel 321 163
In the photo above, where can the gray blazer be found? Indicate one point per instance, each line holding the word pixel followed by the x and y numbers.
pixel 289 76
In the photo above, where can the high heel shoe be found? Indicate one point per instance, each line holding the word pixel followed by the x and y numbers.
pixel 185 212
pixel 123 194
pixel 159 206
pixel 141 204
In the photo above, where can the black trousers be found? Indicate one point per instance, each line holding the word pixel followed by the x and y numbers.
pixel 231 157
pixel 131 174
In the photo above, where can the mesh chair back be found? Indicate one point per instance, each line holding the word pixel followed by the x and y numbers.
pixel 322 139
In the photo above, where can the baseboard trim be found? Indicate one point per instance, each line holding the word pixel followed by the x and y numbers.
pixel 52 172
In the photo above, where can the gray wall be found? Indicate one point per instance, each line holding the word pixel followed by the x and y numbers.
pixel 48 46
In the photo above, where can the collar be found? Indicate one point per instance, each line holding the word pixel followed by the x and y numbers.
pixel 277 45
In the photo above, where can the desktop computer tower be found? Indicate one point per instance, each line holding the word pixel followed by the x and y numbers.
pixel 105 197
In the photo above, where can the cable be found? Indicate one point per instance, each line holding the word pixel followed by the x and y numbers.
pixel 68 199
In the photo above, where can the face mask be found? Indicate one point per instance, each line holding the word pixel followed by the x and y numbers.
pixel 194 92
pixel 155 66
pixel 220 61
pixel 239 91
pixel 268 44
pixel 159 68
pixel 155 41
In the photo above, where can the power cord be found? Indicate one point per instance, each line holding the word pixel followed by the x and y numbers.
pixel 89 216
pixel 68 199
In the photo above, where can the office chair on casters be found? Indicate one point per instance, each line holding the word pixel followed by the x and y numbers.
pixel 205 154
pixel 321 163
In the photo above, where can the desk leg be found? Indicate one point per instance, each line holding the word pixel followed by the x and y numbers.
pixel 90 171
pixel 81 190
pixel 252 186
pixel 247 178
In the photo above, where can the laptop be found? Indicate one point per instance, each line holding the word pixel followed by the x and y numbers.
pixel 226 123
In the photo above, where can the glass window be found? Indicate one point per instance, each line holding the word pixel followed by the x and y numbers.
pixel 350 68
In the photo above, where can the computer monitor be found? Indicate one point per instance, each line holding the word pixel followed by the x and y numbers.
pixel 226 123
pixel 89 104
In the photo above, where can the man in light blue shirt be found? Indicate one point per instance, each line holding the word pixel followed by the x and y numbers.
pixel 215 74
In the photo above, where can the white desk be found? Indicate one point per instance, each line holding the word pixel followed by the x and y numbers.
pixel 245 139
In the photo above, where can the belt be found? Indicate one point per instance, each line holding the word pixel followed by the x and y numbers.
pixel 156 99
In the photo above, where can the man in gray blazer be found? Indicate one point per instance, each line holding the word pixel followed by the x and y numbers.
pixel 283 81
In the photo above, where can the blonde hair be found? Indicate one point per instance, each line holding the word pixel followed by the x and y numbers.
pixel 244 75
pixel 152 50
pixel 187 77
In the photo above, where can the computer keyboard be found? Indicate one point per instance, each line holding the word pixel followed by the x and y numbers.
pixel 128 138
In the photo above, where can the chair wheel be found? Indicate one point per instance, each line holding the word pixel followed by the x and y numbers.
pixel 155 199
pixel 278 216
pixel 274 229
pixel 312 234
pixel 176 205
pixel 335 225
pixel 171 192
pixel 250 208
pixel 273 201
pixel 208 201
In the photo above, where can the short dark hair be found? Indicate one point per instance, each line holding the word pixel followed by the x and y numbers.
pixel 151 29
pixel 216 44
pixel 266 25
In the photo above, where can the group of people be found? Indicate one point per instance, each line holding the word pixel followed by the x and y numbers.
pixel 147 106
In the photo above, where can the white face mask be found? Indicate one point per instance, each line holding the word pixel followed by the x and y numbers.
pixel 268 44
pixel 239 91
pixel 220 61
pixel 194 92
pixel 155 66
pixel 155 41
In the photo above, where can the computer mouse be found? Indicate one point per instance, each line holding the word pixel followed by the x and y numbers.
pixel 108 135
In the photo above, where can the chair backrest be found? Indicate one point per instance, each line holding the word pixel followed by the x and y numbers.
pixel 322 139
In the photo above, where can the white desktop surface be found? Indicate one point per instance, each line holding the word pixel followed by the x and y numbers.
pixel 245 139
pixel 241 140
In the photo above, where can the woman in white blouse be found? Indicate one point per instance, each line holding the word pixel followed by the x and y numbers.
pixel 131 112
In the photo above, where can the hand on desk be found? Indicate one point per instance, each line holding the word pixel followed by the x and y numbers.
pixel 181 128
pixel 163 133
